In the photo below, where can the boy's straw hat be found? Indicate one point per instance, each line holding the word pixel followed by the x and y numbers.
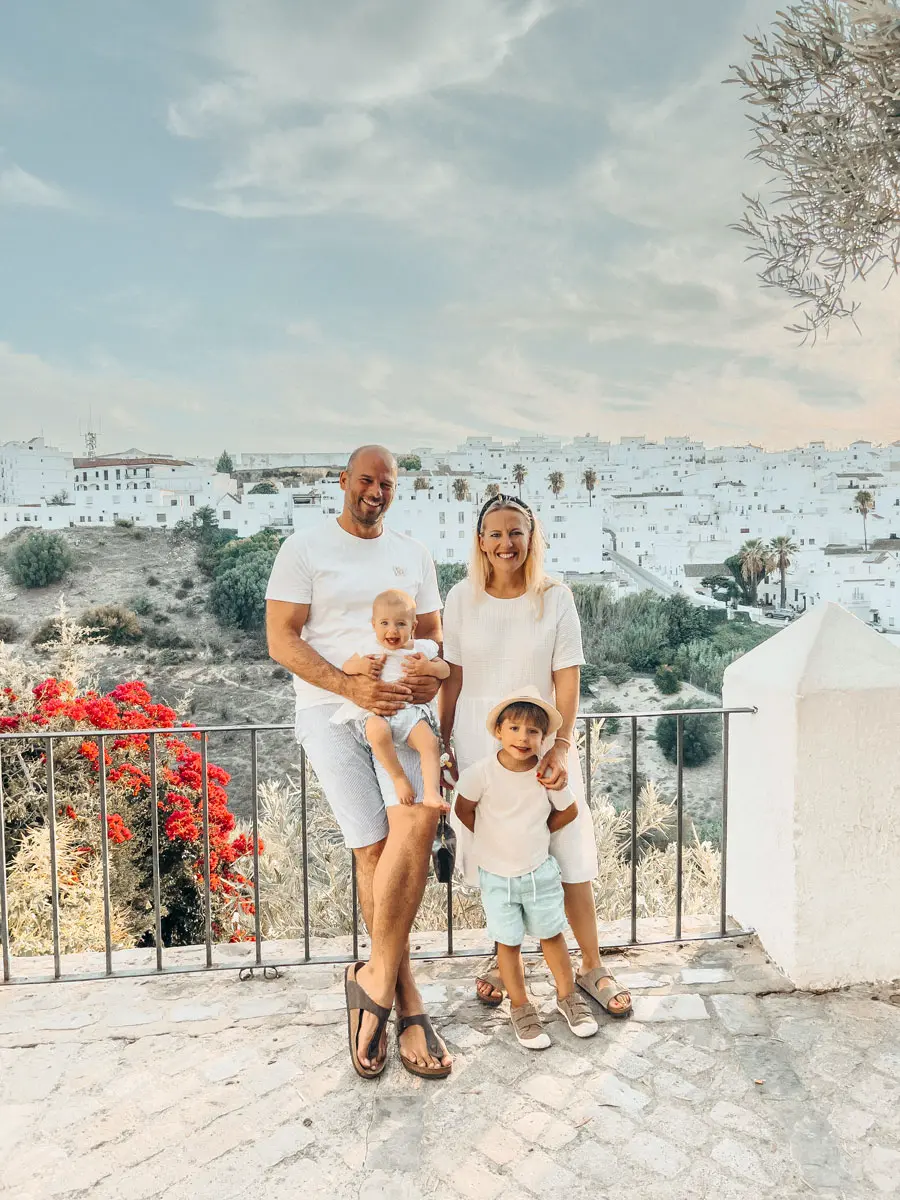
pixel 525 695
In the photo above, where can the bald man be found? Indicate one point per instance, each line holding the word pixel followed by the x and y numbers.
pixel 318 610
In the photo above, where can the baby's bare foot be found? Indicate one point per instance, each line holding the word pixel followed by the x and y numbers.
pixel 406 793
pixel 434 799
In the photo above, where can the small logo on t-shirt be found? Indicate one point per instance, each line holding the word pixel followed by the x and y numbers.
pixel 401 571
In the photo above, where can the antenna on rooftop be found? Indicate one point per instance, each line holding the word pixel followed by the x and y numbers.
pixel 90 437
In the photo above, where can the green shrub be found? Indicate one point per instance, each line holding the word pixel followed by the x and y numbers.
pixel 263 489
pixel 113 624
pixel 666 680
pixel 160 618
pixel 187 582
pixel 138 535
pixel 617 673
pixel 589 674
pixel 39 560
pixel 142 605
pixel 238 595
pixel 281 673
pixel 152 581
pixel 47 631
pixel 181 593
pixel 174 658
pixel 9 630
pixel 702 735
pixel 611 724
pixel 449 574
pixel 123 523
pixel 167 639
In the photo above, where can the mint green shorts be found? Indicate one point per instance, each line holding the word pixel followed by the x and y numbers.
pixel 531 903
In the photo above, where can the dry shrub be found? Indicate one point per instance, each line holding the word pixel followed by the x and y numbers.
pixel 80 883
pixel 281 868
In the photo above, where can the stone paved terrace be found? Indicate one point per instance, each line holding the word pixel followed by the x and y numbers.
pixel 725 1084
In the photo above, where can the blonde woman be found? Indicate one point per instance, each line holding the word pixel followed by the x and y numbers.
pixel 506 626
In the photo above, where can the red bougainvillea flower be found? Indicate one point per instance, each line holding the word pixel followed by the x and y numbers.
pixel 117 831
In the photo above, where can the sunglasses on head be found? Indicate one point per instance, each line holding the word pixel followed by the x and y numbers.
pixel 501 501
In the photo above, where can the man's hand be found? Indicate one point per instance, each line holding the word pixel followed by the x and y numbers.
pixel 423 688
pixel 383 699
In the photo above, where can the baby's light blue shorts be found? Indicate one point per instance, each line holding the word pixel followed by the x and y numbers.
pixel 531 903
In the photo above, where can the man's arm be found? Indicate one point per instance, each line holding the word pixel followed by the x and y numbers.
pixel 284 624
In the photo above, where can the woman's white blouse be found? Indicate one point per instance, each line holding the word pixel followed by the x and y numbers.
pixel 503 645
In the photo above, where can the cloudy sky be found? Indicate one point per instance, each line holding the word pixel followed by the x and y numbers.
pixel 297 224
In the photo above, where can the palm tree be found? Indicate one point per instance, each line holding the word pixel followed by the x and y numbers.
pixel 865 503
pixel 755 563
pixel 492 490
pixel 519 473
pixel 421 484
pixel 557 482
pixel 460 489
pixel 782 550
pixel 589 479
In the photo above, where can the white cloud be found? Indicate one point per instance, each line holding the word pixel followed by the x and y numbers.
pixel 276 54
pixel 19 187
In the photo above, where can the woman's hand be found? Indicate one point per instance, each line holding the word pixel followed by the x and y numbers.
pixel 553 769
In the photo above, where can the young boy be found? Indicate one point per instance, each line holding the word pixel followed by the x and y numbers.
pixel 512 816
pixel 394 626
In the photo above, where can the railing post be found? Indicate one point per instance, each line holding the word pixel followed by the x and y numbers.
pixel 104 851
pixel 679 818
pixel 154 836
pixel 54 872
pixel 634 843
pixel 207 888
pixel 4 911
pixel 304 837
pixel 723 877
pixel 254 799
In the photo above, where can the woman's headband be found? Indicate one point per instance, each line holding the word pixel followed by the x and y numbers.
pixel 501 501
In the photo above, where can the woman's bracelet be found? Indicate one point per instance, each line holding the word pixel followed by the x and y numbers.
pixel 565 741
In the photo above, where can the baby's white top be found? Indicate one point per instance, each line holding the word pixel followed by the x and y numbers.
pixel 392 672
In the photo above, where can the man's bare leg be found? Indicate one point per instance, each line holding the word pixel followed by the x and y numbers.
pixel 390 880
pixel 381 741
pixel 422 740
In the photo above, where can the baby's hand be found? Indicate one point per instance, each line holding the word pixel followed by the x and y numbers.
pixel 373 665
pixel 413 664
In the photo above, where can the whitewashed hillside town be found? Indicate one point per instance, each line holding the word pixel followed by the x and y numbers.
pixel 638 513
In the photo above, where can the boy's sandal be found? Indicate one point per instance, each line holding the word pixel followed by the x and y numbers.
pixel 589 982
pixel 578 1015
pixel 490 978
pixel 527 1027
pixel 359 1000
pixel 432 1044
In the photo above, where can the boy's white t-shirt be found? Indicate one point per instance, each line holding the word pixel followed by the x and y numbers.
pixel 338 576
pixel 391 672
pixel 511 834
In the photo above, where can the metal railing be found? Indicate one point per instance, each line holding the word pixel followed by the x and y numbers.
pixel 51 738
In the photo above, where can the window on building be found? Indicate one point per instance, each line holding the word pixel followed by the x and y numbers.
pixel 812 541
pixel 443 533
pixel 81 519
pixel 462 533
pixel 173 503
pixel 562 535
pixel 559 518
pixel 226 514
pixel 462 518
pixel 637 545
pixel 451 554
pixel 191 501
pixel 442 518
pixel 161 518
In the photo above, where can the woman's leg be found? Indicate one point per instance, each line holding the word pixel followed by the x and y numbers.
pixel 582 917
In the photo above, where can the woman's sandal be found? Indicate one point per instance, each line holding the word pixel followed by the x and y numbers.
pixel 588 983
pixel 359 1000
pixel 432 1043
pixel 490 978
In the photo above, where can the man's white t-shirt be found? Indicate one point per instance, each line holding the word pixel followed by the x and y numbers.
pixel 511 834
pixel 338 576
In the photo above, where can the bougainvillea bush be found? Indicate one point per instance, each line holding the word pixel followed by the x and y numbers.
pixel 56 703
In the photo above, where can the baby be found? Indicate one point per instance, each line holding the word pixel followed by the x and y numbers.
pixel 501 800
pixel 394 625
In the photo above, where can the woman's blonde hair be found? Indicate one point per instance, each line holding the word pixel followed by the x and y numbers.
pixel 536 579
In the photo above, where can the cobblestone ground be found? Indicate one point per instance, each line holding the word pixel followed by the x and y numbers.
pixel 724 1084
